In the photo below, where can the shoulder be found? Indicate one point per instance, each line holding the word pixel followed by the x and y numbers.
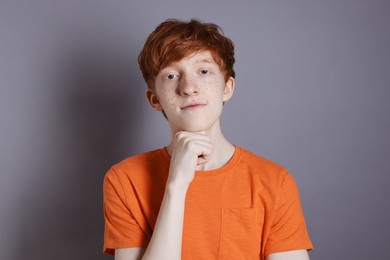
pixel 254 159
pixel 150 158
pixel 265 170
pixel 264 165
pixel 138 165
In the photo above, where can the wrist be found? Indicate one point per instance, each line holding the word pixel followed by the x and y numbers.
pixel 176 188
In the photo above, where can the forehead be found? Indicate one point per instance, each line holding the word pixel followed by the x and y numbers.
pixel 196 57
pixel 200 56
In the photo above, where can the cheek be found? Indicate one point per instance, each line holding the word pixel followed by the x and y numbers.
pixel 214 87
pixel 169 97
pixel 210 85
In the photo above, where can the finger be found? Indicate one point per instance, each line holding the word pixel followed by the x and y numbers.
pixel 203 144
pixel 204 155
pixel 201 160
pixel 194 132
pixel 184 134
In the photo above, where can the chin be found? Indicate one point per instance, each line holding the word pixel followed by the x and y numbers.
pixel 196 127
pixel 194 124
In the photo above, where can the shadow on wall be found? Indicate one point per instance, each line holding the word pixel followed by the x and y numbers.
pixel 91 128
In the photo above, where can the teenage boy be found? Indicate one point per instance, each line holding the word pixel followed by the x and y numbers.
pixel 200 197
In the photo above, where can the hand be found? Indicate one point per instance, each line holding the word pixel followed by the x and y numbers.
pixel 189 150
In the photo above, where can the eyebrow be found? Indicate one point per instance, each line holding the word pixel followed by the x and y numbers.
pixel 200 60
pixel 206 60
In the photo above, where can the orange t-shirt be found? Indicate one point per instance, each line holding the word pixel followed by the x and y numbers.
pixel 244 210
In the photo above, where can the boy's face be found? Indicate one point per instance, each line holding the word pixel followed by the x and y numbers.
pixel 191 92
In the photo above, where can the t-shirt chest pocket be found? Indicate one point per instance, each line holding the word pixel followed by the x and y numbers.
pixel 240 236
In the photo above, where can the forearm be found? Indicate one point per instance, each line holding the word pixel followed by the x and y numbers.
pixel 189 150
pixel 167 234
pixel 289 255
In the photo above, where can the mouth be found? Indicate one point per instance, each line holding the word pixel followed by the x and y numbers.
pixel 193 105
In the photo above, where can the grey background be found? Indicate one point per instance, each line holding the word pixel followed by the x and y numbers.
pixel 312 93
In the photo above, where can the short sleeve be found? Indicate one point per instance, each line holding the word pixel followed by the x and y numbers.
pixel 288 230
pixel 121 229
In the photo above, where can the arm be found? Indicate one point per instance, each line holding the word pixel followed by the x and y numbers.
pixel 288 231
pixel 189 150
pixel 289 255
pixel 134 253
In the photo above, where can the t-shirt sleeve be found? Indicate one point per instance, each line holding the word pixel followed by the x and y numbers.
pixel 121 229
pixel 288 230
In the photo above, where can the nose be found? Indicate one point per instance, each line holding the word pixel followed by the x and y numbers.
pixel 188 86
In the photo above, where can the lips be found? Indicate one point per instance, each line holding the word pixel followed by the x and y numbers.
pixel 193 105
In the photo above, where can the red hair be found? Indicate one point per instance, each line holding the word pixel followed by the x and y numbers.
pixel 173 40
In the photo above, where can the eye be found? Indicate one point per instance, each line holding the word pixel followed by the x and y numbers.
pixel 172 76
pixel 204 72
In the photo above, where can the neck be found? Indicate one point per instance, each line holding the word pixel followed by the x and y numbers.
pixel 222 152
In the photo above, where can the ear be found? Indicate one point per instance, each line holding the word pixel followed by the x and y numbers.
pixel 229 89
pixel 153 100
